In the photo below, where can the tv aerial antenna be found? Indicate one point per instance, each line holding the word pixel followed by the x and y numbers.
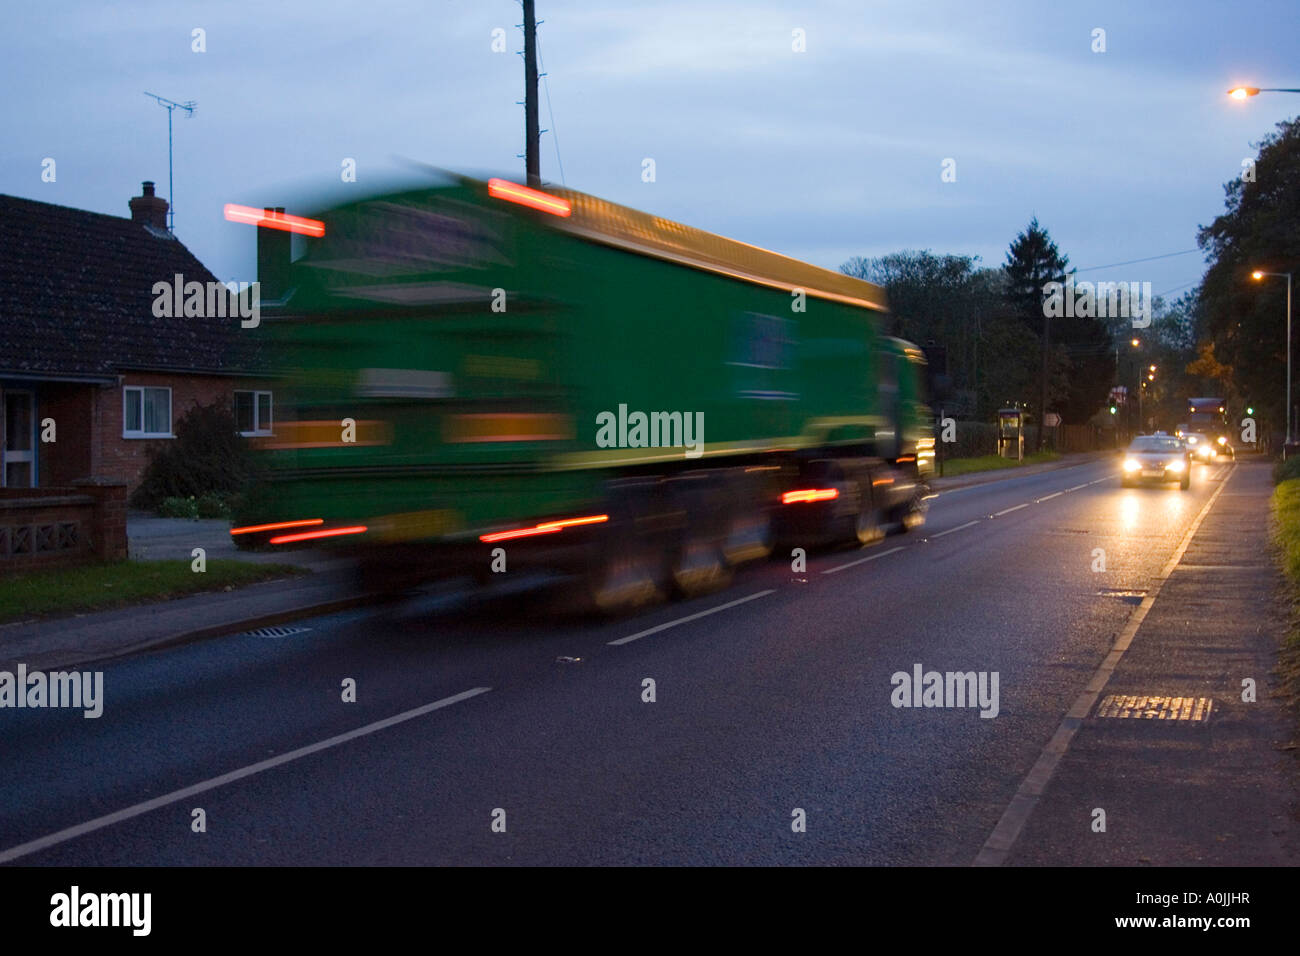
pixel 171 106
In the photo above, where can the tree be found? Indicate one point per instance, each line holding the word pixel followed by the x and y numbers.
pixel 1033 261
pixel 1245 320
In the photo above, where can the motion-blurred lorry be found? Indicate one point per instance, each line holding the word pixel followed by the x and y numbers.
pixel 480 377
pixel 1208 416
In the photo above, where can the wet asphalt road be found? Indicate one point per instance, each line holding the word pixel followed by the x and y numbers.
pixel 780 700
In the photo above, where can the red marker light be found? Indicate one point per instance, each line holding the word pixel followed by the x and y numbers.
pixel 309 535
pixel 809 494
pixel 532 198
pixel 274 220
pixel 249 529
pixel 547 527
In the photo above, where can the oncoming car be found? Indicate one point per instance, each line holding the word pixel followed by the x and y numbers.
pixel 1201 446
pixel 1157 458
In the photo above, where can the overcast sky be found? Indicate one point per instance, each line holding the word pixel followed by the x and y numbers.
pixel 824 154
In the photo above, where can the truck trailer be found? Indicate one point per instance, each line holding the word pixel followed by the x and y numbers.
pixel 477 375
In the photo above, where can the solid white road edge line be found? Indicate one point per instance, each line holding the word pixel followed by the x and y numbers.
pixel 1004 835
pixel 81 829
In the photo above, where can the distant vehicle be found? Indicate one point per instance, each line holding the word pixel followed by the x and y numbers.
pixel 1208 416
pixel 1157 458
pixel 1200 445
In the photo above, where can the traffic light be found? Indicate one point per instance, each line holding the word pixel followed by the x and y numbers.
pixel 1112 409
pixel 1249 410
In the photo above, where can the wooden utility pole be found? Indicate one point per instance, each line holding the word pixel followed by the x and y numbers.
pixel 532 135
pixel 1042 408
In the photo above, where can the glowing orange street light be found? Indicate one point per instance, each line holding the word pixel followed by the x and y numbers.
pixel 1135 343
pixel 1242 92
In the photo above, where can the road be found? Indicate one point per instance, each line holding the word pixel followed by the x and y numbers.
pixel 770 697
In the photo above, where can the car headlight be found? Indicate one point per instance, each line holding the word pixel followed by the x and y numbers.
pixel 1131 464
pixel 1223 440
pixel 1175 466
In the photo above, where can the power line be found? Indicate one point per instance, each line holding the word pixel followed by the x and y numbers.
pixel 1113 265
pixel 550 110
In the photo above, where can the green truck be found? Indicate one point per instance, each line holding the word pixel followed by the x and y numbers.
pixel 478 376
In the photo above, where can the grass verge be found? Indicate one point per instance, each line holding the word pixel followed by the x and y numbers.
pixel 965 466
pixel 96 587
pixel 1286 538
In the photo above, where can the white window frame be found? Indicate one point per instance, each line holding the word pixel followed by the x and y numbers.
pixel 260 428
pixel 18 457
pixel 139 433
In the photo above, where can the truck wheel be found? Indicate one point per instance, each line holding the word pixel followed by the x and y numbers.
pixel 625 568
pixel 623 579
pixel 911 514
pixel 869 524
pixel 699 561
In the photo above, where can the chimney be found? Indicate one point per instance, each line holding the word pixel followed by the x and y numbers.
pixel 273 256
pixel 149 210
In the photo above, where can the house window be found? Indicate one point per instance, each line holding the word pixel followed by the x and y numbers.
pixel 146 412
pixel 18 457
pixel 253 413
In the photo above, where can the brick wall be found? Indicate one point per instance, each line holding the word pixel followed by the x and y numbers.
pixel 50 527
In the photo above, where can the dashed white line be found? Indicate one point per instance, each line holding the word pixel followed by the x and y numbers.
pixel 62 836
pixel 870 557
pixel 958 528
pixel 690 617
pixel 1049 497
pixel 1099 480
pixel 1077 487
pixel 1007 511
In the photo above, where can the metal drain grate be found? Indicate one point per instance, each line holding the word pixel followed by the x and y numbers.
pixel 1190 709
pixel 275 631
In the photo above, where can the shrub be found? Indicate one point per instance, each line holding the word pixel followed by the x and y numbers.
pixel 1285 470
pixel 213 505
pixel 207 457
pixel 177 507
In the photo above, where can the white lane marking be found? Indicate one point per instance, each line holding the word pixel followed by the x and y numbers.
pixel 1099 480
pixel 1007 511
pixel 1049 497
pixel 1077 487
pixel 1004 835
pixel 81 829
pixel 958 528
pixel 870 557
pixel 982 484
pixel 690 617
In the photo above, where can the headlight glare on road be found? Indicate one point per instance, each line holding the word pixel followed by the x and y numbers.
pixel 1176 466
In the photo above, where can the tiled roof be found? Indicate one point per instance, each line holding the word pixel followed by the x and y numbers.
pixel 76 298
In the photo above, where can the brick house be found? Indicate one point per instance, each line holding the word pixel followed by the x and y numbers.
pixel 81 345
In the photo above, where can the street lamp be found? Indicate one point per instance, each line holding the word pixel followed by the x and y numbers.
pixel 1242 92
pixel 1257 275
